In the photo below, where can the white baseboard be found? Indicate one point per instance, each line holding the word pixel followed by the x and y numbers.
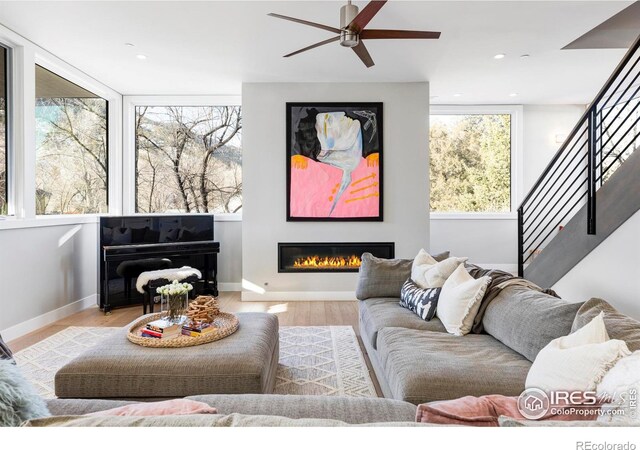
pixel 26 327
pixel 293 296
pixel 222 286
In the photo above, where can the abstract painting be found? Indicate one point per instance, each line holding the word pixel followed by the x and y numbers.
pixel 334 161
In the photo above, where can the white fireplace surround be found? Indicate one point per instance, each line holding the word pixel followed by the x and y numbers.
pixel 406 187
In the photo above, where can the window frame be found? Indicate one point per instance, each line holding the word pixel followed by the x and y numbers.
pixel 24 55
pixel 109 137
pixel 516 113
pixel 130 103
pixel 8 131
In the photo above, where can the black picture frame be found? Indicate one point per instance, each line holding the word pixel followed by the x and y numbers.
pixel 291 151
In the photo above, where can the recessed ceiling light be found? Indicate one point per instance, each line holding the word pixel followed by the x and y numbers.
pixel 433 96
pixel 513 94
pixel 141 56
pixel 525 56
pixel 499 56
pixel 457 95
pixel 129 44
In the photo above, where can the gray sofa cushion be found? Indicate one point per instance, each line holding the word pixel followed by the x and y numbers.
pixel 619 326
pixel 423 366
pixel 378 313
pixel 526 320
pixel 381 277
pixel 346 409
pixel 244 362
pixel 200 420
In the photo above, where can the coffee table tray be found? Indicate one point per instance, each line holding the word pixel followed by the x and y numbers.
pixel 225 323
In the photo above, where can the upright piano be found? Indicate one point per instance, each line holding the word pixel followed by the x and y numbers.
pixel 182 240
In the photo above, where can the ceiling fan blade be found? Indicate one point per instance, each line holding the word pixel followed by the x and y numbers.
pixel 363 54
pixel 365 16
pixel 305 22
pixel 317 44
pixel 399 34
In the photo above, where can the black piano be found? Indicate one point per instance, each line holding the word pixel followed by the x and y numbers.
pixel 162 241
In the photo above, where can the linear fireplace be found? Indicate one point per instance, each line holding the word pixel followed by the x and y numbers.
pixel 329 257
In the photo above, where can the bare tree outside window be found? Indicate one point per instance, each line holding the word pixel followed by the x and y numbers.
pixel 470 163
pixel 3 131
pixel 188 159
pixel 71 147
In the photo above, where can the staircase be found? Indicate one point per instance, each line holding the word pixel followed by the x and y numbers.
pixel 592 184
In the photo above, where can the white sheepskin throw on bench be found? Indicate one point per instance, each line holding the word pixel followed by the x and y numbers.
pixel 167 274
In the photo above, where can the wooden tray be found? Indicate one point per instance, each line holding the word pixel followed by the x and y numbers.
pixel 225 323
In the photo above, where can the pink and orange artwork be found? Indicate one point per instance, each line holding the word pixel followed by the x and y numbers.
pixel 334 161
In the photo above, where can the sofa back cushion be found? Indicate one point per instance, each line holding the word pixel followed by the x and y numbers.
pixel 381 277
pixel 526 320
pixel 619 326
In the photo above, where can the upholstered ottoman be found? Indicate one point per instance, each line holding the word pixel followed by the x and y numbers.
pixel 244 362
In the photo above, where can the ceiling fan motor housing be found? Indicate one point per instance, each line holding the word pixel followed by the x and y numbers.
pixel 348 38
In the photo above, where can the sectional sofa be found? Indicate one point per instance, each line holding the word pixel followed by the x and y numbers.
pixel 418 361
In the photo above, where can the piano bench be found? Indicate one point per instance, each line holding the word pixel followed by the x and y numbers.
pixel 132 269
pixel 149 281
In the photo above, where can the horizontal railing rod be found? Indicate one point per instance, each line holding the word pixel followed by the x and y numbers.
pixel 585 116
pixel 604 105
pixel 558 166
pixel 579 186
pixel 561 219
pixel 621 124
pixel 618 156
pixel 635 123
pixel 538 202
pixel 535 219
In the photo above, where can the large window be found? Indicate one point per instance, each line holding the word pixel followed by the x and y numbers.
pixel 470 163
pixel 71 147
pixel 4 206
pixel 188 159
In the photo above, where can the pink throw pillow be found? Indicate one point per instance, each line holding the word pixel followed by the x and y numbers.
pixel 484 411
pixel 178 406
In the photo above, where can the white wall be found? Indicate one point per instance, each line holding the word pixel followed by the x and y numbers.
pixel 542 124
pixel 493 242
pixel 406 190
pixel 610 272
pixel 46 273
pixel 229 234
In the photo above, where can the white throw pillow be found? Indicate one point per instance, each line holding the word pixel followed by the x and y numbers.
pixel 576 362
pixel 619 385
pixel 460 300
pixel 428 273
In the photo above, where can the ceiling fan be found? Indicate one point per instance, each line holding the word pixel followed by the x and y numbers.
pixel 352 30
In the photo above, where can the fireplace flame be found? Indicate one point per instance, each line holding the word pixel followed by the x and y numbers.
pixel 328 262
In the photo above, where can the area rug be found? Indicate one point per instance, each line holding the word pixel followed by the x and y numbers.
pixel 313 360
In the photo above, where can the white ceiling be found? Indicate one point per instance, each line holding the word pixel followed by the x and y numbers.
pixel 212 47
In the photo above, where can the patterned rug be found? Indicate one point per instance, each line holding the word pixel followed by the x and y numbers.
pixel 313 360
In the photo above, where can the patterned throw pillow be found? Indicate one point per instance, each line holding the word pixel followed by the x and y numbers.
pixel 5 352
pixel 423 302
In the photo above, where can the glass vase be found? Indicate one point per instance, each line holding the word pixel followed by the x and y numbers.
pixel 174 306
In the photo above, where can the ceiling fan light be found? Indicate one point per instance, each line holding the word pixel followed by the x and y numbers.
pixel 349 39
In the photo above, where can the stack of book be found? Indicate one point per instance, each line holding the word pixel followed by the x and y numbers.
pixel 161 329
pixel 197 329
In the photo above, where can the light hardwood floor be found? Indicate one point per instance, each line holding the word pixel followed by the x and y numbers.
pixel 298 313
